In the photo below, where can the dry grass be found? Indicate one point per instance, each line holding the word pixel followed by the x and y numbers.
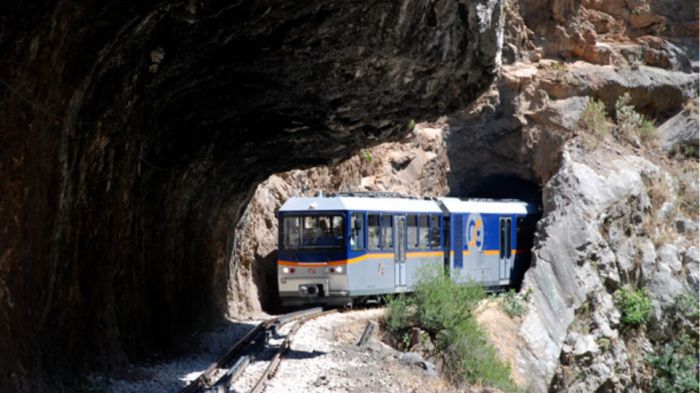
pixel 688 196
pixel 658 190
pixel 503 333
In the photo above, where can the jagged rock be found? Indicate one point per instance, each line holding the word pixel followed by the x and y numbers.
pixel 691 259
pixel 654 88
pixel 413 358
pixel 648 257
pixel 666 211
pixel 668 256
pixel 684 225
pixel 681 130
pixel 657 52
pixel 578 200
pixel 663 289
pixel 561 113
pixel 585 346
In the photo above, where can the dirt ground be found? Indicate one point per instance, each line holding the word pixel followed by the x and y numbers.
pixel 324 358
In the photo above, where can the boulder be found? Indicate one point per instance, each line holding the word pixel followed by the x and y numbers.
pixel 413 358
pixel 681 130
pixel 668 256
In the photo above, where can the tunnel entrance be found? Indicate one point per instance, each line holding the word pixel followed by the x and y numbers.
pixel 492 157
pixel 505 186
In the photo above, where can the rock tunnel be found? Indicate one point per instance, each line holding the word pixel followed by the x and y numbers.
pixel 134 135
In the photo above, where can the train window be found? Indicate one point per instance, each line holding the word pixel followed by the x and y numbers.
pixel 423 231
pixel 373 231
pixel 509 245
pixel 502 238
pixel 435 231
pixel 322 232
pixel 412 231
pixel 291 233
pixel 337 227
pixel 357 232
pixel 387 231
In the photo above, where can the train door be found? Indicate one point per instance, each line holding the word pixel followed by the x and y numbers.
pixel 400 251
pixel 505 247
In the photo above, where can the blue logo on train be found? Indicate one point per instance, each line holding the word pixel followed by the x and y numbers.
pixel 475 232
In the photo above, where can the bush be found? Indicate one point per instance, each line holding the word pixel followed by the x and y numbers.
pixel 676 366
pixel 648 131
pixel 635 306
pixel 444 309
pixel 631 124
pixel 442 303
pixel 688 307
pixel 592 118
pixel 512 305
pixel 411 124
pixel 366 155
pixel 398 314
pixel 690 151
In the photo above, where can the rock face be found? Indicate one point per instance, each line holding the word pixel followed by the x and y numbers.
pixel 614 214
pixel 134 135
pixel 681 131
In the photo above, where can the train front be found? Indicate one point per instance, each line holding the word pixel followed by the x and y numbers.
pixel 312 253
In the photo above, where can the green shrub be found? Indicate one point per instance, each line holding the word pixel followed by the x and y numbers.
pixel 592 118
pixel 676 366
pixel 411 124
pixel 366 155
pixel 635 306
pixel 468 354
pixel 690 151
pixel 648 131
pixel 688 307
pixel 512 305
pixel 630 123
pixel 441 303
pixel 444 309
pixel 398 314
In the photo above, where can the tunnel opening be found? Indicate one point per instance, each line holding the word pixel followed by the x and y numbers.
pixel 505 186
pixel 493 157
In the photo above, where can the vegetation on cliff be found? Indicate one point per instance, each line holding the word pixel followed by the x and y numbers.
pixel 444 309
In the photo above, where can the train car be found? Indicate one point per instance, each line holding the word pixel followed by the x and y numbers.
pixel 337 249
pixel 490 240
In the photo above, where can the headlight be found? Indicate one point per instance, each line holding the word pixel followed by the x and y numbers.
pixel 339 269
pixel 285 270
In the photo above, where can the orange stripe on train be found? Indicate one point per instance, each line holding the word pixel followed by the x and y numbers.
pixel 385 255
pixel 360 259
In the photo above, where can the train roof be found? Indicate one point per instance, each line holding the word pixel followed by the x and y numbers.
pixel 337 203
pixel 510 206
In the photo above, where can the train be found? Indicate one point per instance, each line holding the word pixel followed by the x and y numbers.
pixel 345 248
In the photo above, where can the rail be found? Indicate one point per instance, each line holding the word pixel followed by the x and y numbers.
pixel 209 382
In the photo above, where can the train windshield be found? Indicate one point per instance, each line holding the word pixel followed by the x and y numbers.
pixel 313 232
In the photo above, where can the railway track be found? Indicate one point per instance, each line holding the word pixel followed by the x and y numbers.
pixel 220 376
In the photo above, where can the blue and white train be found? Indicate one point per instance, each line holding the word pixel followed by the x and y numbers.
pixel 342 248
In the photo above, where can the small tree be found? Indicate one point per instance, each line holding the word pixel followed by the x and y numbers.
pixel 631 124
